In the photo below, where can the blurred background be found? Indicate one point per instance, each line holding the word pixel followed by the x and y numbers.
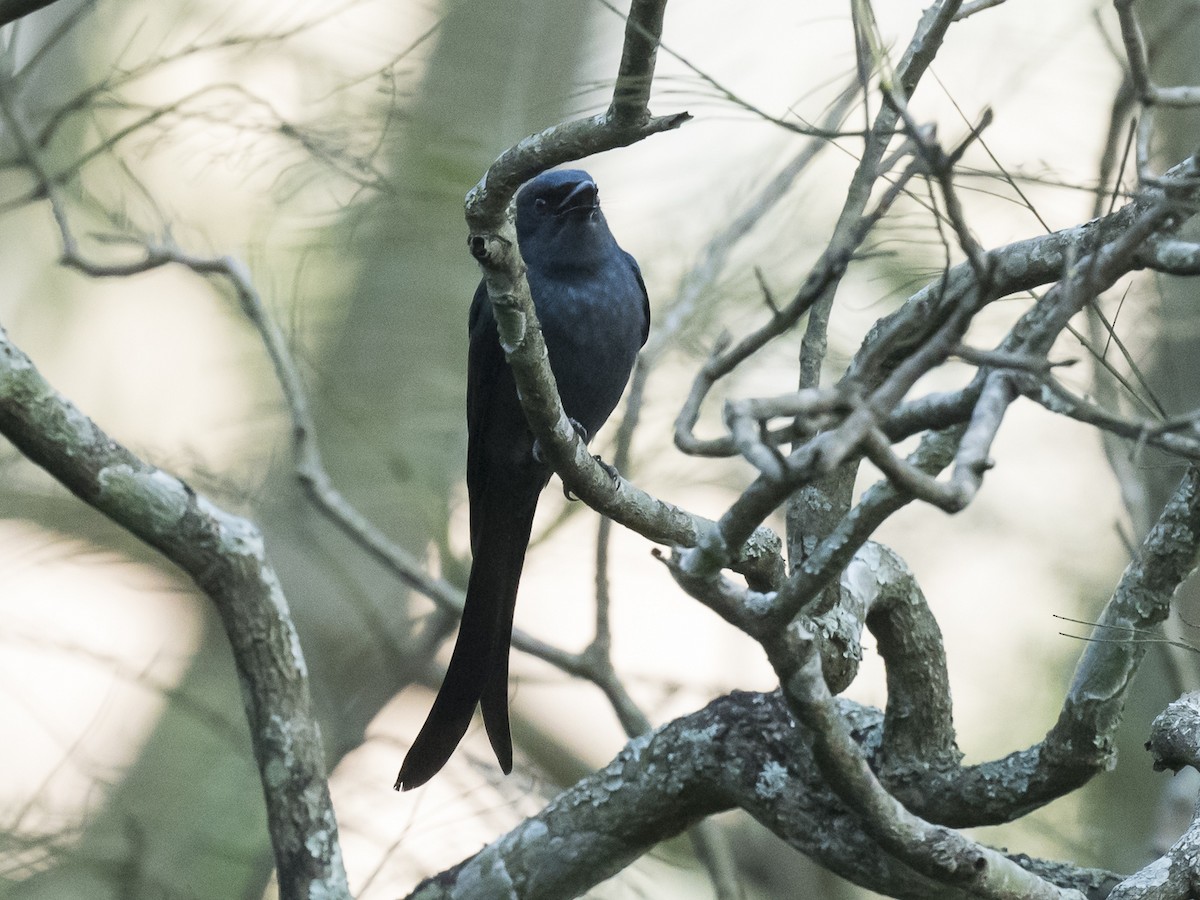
pixel 329 147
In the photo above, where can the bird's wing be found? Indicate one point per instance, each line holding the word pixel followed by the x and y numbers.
pixel 637 272
pixel 485 369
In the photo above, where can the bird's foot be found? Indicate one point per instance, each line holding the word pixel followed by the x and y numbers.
pixel 610 470
pixel 580 430
pixel 539 455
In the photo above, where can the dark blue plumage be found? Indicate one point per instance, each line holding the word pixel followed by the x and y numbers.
pixel 592 305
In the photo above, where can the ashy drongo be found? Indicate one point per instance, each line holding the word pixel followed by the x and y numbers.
pixel 592 305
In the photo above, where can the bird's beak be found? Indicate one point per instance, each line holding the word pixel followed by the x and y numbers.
pixel 583 196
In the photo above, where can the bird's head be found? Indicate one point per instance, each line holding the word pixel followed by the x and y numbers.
pixel 558 214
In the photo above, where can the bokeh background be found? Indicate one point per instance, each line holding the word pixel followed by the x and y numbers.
pixel 329 147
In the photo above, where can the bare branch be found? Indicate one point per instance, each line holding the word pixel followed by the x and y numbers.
pixel 715 256
pixel 1175 735
pixel 825 273
pixel 742 750
pixel 972 7
pixel 224 555
pixel 493 244
pixel 1056 398
pixel 1139 64
pixel 1142 600
pixel 998 359
pixel 1083 740
pixel 836 550
pixel 643 33
pixel 940 853
pixel 918 55
pixel 1173 743
pixel 1019 266
pixel 1171 256
pixel 918 721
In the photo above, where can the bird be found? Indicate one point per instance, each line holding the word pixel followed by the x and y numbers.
pixel 594 311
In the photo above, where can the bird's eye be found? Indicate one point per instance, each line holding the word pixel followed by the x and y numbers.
pixel 540 204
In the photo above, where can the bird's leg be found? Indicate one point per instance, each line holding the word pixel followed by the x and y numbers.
pixel 580 430
pixel 610 470
pixel 539 455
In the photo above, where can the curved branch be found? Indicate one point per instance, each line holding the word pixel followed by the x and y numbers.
pixel 742 750
pixel 224 555
pixel 1019 266
pixel 1082 742
pixel 492 242
pixel 918 729
pixel 942 854
pixel 1173 743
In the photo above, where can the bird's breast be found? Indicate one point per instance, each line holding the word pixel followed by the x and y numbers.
pixel 593 329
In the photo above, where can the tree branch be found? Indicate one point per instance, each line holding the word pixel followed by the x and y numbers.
pixel 225 556
pixel 742 750
pixel 1082 741
pixel 1173 741
pixel 942 854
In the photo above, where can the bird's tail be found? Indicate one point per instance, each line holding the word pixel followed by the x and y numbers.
pixel 478 670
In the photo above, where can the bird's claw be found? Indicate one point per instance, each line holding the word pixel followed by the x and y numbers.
pixel 610 470
pixel 580 430
pixel 539 455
